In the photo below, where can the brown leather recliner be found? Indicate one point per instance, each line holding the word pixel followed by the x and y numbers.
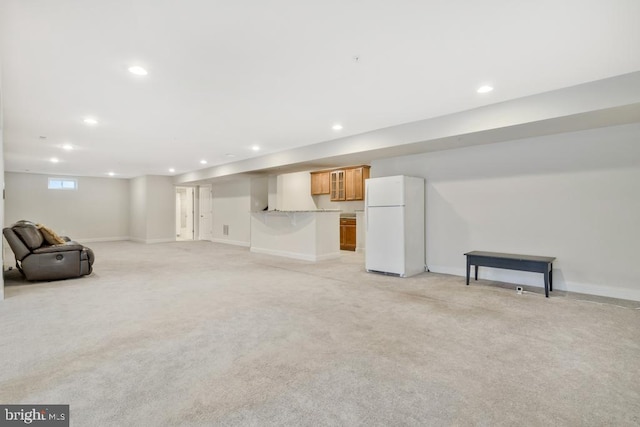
pixel 38 260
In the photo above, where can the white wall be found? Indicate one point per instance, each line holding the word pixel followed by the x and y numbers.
pixel 574 196
pixel 294 192
pixel 259 193
pixel 152 213
pixel 161 201
pixel 231 206
pixel 97 210
pixel 138 210
pixel 272 188
pixel 3 182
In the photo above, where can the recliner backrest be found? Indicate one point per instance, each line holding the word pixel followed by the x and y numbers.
pixel 17 246
pixel 29 234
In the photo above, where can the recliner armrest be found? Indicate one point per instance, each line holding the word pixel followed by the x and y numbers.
pixel 69 246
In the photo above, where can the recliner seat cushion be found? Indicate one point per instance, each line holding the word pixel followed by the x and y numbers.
pixel 30 235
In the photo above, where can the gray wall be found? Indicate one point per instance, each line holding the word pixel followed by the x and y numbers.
pixel 575 196
pixel 97 210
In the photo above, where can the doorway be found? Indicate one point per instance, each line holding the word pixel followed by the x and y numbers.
pixel 184 213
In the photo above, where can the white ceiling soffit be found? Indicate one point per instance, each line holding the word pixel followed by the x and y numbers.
pixel 224 76
pixel 607 102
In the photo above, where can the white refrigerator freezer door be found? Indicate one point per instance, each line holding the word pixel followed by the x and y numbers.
pixel 386 191
pixel 385 240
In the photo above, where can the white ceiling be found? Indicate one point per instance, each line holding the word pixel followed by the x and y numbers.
pixel 225 75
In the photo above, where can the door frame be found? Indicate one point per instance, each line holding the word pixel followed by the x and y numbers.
pixel 190 211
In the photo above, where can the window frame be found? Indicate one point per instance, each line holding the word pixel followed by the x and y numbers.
pixel 62 182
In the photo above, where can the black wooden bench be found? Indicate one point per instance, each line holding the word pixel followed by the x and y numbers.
pixel 536 264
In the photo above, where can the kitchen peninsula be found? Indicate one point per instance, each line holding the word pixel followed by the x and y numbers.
pixel 311 235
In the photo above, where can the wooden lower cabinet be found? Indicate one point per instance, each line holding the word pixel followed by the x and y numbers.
pixel 348 234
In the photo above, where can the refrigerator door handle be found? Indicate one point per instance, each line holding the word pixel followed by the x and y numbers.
pixel 366 207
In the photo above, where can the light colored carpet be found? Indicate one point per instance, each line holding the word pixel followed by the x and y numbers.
pixel 198 334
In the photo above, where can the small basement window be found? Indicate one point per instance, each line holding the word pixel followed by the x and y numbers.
pixel 63 184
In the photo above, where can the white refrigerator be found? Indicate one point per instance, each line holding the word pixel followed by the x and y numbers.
pixel 394 225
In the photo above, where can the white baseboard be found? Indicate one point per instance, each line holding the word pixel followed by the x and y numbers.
pixel 295 255
pixel 231 242
pixel 536 280
pixel 102 239
pixel 603 291
pixel 151 241
pixel 165 240
pixel 325 257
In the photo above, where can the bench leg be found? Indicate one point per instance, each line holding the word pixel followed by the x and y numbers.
pixel 468 270
pixel 546 284
pixel 551 277
pixel 477 267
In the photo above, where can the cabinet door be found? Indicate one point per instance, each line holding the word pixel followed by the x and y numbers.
pixel 348 234
pixel 353 185
pixel 355 182
pixel 324 183
pixel 319 183
pixel 337 185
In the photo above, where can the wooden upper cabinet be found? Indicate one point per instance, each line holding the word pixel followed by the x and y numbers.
pixel 320 182
pixel 355 178
pixel 337 185
pixel 340 184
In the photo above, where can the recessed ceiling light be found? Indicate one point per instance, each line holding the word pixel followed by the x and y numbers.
pixel 67 147
pixel 255 148
pixel 138 70
pixel 111 173
pixel 485 89
pixel 337 126
pixel 203 162
pixel 54 160
pixel 90 121
pixel 172 170
pixel 230 155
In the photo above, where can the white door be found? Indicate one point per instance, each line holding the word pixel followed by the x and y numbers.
pixel 205 209
pixel 384 227
pixel 184 213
